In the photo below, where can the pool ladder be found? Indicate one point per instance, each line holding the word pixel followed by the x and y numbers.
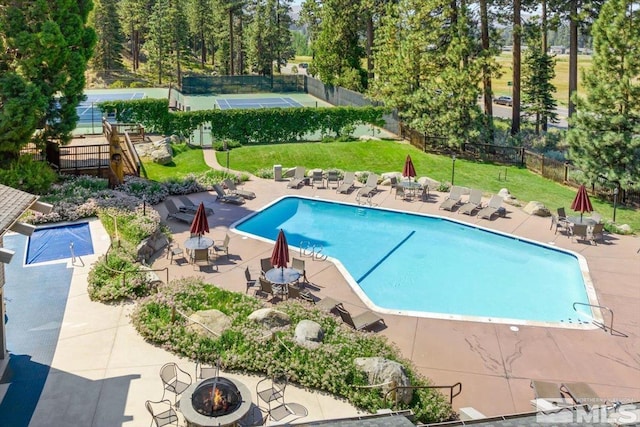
pixel 598 323
pixel 312 250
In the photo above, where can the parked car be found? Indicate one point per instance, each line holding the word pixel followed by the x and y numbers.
pixel 303 65
pixel 504 100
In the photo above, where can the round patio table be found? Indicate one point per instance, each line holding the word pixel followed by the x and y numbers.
pixel 282 276
pixel 198 242
pixel 583 221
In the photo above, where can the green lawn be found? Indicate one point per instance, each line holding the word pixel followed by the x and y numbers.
pixel 185 161
pixel 388 156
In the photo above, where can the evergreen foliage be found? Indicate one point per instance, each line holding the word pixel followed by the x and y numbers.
pixel 107 54
pixel 605 136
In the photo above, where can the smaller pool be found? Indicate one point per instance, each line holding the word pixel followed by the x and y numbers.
pixel 58 242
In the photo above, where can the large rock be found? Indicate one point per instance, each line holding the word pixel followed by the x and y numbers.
pixel 537 209
pixel 161 157
pixel 147 247
pixel 309 334
pixel 214 321
pixel 270 317
pixel 388 373
pixel 507 197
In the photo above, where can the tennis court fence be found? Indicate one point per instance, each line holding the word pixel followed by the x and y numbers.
pixel 205 85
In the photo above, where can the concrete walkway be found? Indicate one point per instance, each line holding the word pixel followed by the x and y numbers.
pixel 102 371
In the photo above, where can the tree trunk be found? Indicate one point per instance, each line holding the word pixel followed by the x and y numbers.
pixel 515 95
pixel 231 69
pixel 370 37
pixel 573 54
pixel 543 120
pixel 486 72
pixel 203 49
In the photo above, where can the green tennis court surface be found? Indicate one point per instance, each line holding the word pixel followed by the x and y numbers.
pixel 275 102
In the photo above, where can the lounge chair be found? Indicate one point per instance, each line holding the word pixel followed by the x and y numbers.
pixel 362 321
pixel 370 187
pixel 190 207
pixel 231 186
pixel 347 182
pixel 298 179
pixel 333 176
pixel 582 394
pixel 316 176
pixel 474 202
pixel 548 395
pixel 579 232
pixel 175 213
pixel 227 198
pixel 494 205
pixel 453 199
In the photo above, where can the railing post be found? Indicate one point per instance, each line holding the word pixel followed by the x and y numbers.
pixel 542 165
pixel 566 172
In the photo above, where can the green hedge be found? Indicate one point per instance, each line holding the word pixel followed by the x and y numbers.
pixel 252 126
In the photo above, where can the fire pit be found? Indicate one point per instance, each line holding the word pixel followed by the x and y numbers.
pixel 216 401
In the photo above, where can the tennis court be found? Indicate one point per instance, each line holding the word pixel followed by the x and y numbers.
pixel 87 109
pixel 274 102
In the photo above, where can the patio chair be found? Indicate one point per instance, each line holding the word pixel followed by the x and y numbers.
pixel 579 232
pixel 298 265
pixel 205 371
pixel 400 192
pixel 200 258
pixel 364 320
pixel 393 181
pixel 333 176
pixel 316 176
pixel 233 190
pixel 347 182
pixel 559 224
pixel 270 391
pixel 251 282
pixel 473 203
pixel 174 380
pixel 162 413
pixel 224 247
pixel 562 214
pixel 294 292
pixel 582 394
pixel 265 265
pixel 494 205
pixel 453 199
pixel 370 187
pixel 227 198
pixel 298 178
pixel 174 251
pixel 267 290
pixel 596 233
pixel 190 207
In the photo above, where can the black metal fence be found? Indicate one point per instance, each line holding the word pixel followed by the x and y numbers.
pixel 203 85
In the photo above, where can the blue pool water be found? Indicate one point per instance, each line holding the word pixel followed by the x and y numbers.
pixel 53 243
pixel 414 264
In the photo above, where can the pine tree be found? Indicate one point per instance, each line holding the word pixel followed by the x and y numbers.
pixel 604 139
pixel 537 89
pixel 107 54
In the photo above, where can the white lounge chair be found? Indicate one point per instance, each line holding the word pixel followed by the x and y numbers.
pixel 492 207
pixel 370 187
pixel 347 182
pixel 474 202
pixel 453 199
pixel 231 186
pixel 298 178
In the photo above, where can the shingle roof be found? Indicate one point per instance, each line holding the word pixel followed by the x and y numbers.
pixel 13 203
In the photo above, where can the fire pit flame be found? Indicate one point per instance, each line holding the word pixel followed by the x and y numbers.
pixel 215 397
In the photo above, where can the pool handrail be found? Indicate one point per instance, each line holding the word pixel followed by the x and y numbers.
pixel 597 323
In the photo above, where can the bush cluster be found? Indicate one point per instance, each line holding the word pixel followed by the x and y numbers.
pixel 259 126
pixel 247 347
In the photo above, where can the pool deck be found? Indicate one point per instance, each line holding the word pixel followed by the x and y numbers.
pixel 102 371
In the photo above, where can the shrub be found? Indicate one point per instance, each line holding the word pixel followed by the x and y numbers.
pixel 246 347
pixel 28 175
pixel 114 277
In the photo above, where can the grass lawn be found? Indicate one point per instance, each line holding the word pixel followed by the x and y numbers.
pixel 186 160
pixel 389 156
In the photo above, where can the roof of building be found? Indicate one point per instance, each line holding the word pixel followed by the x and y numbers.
pixel 14 204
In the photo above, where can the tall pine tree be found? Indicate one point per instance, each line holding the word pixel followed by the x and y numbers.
pixel 107 54
pixel 604 139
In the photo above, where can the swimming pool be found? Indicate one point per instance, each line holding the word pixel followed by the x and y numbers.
pixel 57 242
pixel 406 263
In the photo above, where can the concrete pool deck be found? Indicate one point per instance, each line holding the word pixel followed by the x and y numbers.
pixel 103 371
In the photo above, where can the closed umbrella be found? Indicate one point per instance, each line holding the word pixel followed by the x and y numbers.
pixel 409 171
pixel 280 255
pixel 200 224
pixel 582 203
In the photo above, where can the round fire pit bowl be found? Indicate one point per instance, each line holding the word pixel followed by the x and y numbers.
pixel 217 401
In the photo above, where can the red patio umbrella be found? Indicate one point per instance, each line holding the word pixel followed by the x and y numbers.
pixel 200 224
pixel 582 203
pixel 280 255
pixel 408 171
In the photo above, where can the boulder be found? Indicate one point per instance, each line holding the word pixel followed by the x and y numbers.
pixel 214 321
pixel 508 198
pixel 309 334
pixel 270 317
pixel 388 373
pixel 368 138
pixel 386 177
pixel 537 209
pixel 432 183
pixel 161 157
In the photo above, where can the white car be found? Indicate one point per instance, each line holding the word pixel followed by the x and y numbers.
pixel 504 100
